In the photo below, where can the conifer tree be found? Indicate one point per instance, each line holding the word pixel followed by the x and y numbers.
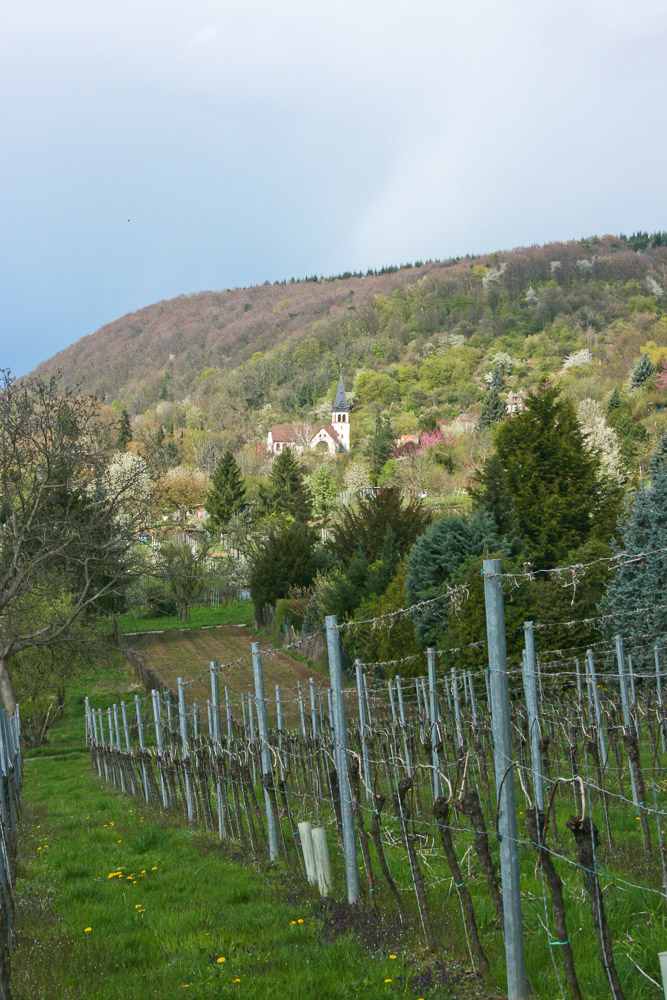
pixel 642 372
pixel 286 494
pixel 227 494
pixel 641 584
pixel 557 487
pixel 614 401
pixel 382 444
pixel 124 431
pixel 493 409
pixel 496 379
pixel 658 460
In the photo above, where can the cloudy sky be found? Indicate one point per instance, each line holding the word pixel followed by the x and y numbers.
pixel 154 147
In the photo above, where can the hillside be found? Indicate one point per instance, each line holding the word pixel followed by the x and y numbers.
pixel 219 368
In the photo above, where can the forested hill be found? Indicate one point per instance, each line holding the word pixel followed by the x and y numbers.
pixel 417 340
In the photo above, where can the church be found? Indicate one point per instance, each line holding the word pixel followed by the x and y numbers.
pixel 335 437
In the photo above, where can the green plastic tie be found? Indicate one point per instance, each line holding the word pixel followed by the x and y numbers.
pixel 558 944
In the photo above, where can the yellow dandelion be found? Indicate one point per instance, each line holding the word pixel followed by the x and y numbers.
pixel 87 930
pixel 300 920
pixel 39 848
pixel 143 871
pixel 237 980
pixel 120 841
pixel 293 922
pixel 106 824
pixel 112 823
pixel 392 956
pixel 154 869
pixel 137 906
pixel 221 959
pixel 387 980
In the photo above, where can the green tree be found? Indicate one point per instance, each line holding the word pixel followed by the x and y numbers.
pixel 285 495
pixel 364 525
pixel 227 494
pixel 124 431
pixel 434 559
pixel 382 445
pixel 614 401
pixel 286 559
pixel 493 409
pixel 496 381
pixel 658 460
pixel 642 372
pixel 185 568
pixel 560 494
pixel 323 492
pixel 641 584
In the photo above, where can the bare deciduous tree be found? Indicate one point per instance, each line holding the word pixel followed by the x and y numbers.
pixel 63 528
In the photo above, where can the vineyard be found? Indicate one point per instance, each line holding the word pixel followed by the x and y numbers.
pixel 512 813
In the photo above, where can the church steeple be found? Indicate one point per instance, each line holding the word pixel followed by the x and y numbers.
pixel 340 417
pixel 340 402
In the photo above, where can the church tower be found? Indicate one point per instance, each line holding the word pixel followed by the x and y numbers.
pixel 340 417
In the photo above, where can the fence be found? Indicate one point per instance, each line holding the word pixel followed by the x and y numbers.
pixel 11 770
pixel 415 782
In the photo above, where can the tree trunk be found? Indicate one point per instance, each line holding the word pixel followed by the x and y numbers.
pixel 6 687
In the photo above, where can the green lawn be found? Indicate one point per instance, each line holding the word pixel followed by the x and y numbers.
pixel 201 616
pixel 182 916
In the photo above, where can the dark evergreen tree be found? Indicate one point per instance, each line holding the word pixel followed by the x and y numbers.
pixel 658 460
pixel 492 496
pixel 496 379
pixel 124 431
pixel 286 559
pixel 614 401
pixel 493 410
pixel 381 446
pixel 286 494
pixel 559 492
pixel 227 495
pixel 642 372
pixel 642 584
pixel 365 525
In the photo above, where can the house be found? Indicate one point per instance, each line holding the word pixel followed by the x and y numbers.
pixel 515 401
pixel 334 437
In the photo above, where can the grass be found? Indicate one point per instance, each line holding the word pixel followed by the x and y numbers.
pixel 181 904
pixel 201 616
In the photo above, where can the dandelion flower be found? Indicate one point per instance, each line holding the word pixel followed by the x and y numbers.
pixel 154 868
pixel 237 980
pixel 120 841
pixel 387 980
pixel 293 922
pixel 392 956
pixel 87 930
pixel 221 959
pixel 137 906
pixel 300 920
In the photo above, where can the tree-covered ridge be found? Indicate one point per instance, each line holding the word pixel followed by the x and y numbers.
pixel 419 342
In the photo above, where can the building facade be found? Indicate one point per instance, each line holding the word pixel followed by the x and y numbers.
pixel 334 437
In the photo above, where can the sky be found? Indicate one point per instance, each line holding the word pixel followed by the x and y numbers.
pixel 157 147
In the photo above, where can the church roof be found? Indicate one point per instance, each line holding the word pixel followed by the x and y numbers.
pixel 340 402
pixel 300 433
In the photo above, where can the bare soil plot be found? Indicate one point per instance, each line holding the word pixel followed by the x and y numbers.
pixel 187 654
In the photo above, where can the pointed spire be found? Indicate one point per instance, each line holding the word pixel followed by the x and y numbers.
pixel 340 402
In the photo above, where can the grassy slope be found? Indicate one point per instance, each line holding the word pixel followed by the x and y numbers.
pixel 200 903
